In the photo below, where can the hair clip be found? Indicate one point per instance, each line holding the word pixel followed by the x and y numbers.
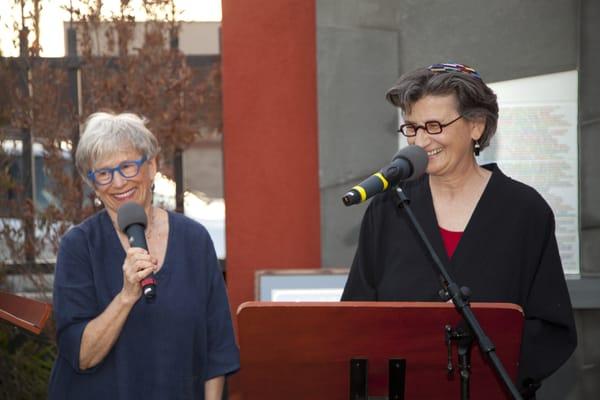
pixel 436 68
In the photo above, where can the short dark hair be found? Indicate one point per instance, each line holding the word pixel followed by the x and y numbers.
pixel 475 99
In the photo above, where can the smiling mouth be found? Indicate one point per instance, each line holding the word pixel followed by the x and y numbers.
pixel 124 195
pixel 434 152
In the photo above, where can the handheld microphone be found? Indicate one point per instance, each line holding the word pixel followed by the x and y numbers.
pixel 132 220
pixel 409 163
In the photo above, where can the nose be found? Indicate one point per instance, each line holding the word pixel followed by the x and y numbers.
pixel 422 138
pixel 118 180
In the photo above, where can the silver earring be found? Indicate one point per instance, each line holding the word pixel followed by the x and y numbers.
pixel 477 148
pixel 97 202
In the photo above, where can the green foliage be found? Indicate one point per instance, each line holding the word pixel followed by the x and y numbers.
pixel 25 364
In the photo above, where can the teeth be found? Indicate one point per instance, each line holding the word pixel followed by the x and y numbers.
pixel 123 195
pixel 433 152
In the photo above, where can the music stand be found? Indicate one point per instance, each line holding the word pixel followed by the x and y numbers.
pixel 303 350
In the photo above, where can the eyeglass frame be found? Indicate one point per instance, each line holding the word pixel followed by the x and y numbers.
pixel 138 163
pixel 424 126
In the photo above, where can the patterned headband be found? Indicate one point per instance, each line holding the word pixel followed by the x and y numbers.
pixel 436 68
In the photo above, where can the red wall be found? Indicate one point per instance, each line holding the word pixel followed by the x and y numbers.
pixel 270 139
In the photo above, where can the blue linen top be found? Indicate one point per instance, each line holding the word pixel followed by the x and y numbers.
pixel 166 349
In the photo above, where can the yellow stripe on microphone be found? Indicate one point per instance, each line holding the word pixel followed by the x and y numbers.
pixel 382 178
pixel 362 192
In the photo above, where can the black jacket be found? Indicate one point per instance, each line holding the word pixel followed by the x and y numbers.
pixel 508 253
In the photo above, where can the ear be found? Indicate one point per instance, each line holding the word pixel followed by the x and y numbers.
pixel 477 126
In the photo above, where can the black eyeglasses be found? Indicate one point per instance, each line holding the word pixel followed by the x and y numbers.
pixel 127 169
pixel 431 127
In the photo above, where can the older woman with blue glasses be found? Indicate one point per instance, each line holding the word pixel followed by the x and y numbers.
pixel 111 345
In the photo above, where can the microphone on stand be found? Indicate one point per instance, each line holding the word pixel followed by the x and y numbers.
pixel 409 163
pixel 132 220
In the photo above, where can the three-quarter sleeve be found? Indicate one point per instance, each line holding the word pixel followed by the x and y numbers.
pixel 222 351
pixel 549 335
pixel 74 296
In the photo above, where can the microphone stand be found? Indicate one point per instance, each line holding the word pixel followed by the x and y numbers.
pixel 450 290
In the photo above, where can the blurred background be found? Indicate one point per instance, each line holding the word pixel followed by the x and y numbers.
pixel 267 112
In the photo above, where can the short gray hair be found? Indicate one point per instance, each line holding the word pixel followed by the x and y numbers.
pixel 475 99
pixel 105 133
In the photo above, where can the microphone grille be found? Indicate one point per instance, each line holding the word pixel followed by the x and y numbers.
pixel 129 214
pixel 417 157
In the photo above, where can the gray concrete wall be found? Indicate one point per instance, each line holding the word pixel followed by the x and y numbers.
pixel 364 45
pixel 357 45
pixel 502 39
pixel 589 123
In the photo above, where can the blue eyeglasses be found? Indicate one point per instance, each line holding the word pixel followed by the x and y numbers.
pixel 127 169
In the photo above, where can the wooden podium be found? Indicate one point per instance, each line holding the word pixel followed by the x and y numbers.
pixel 23 312
pixel 303 350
